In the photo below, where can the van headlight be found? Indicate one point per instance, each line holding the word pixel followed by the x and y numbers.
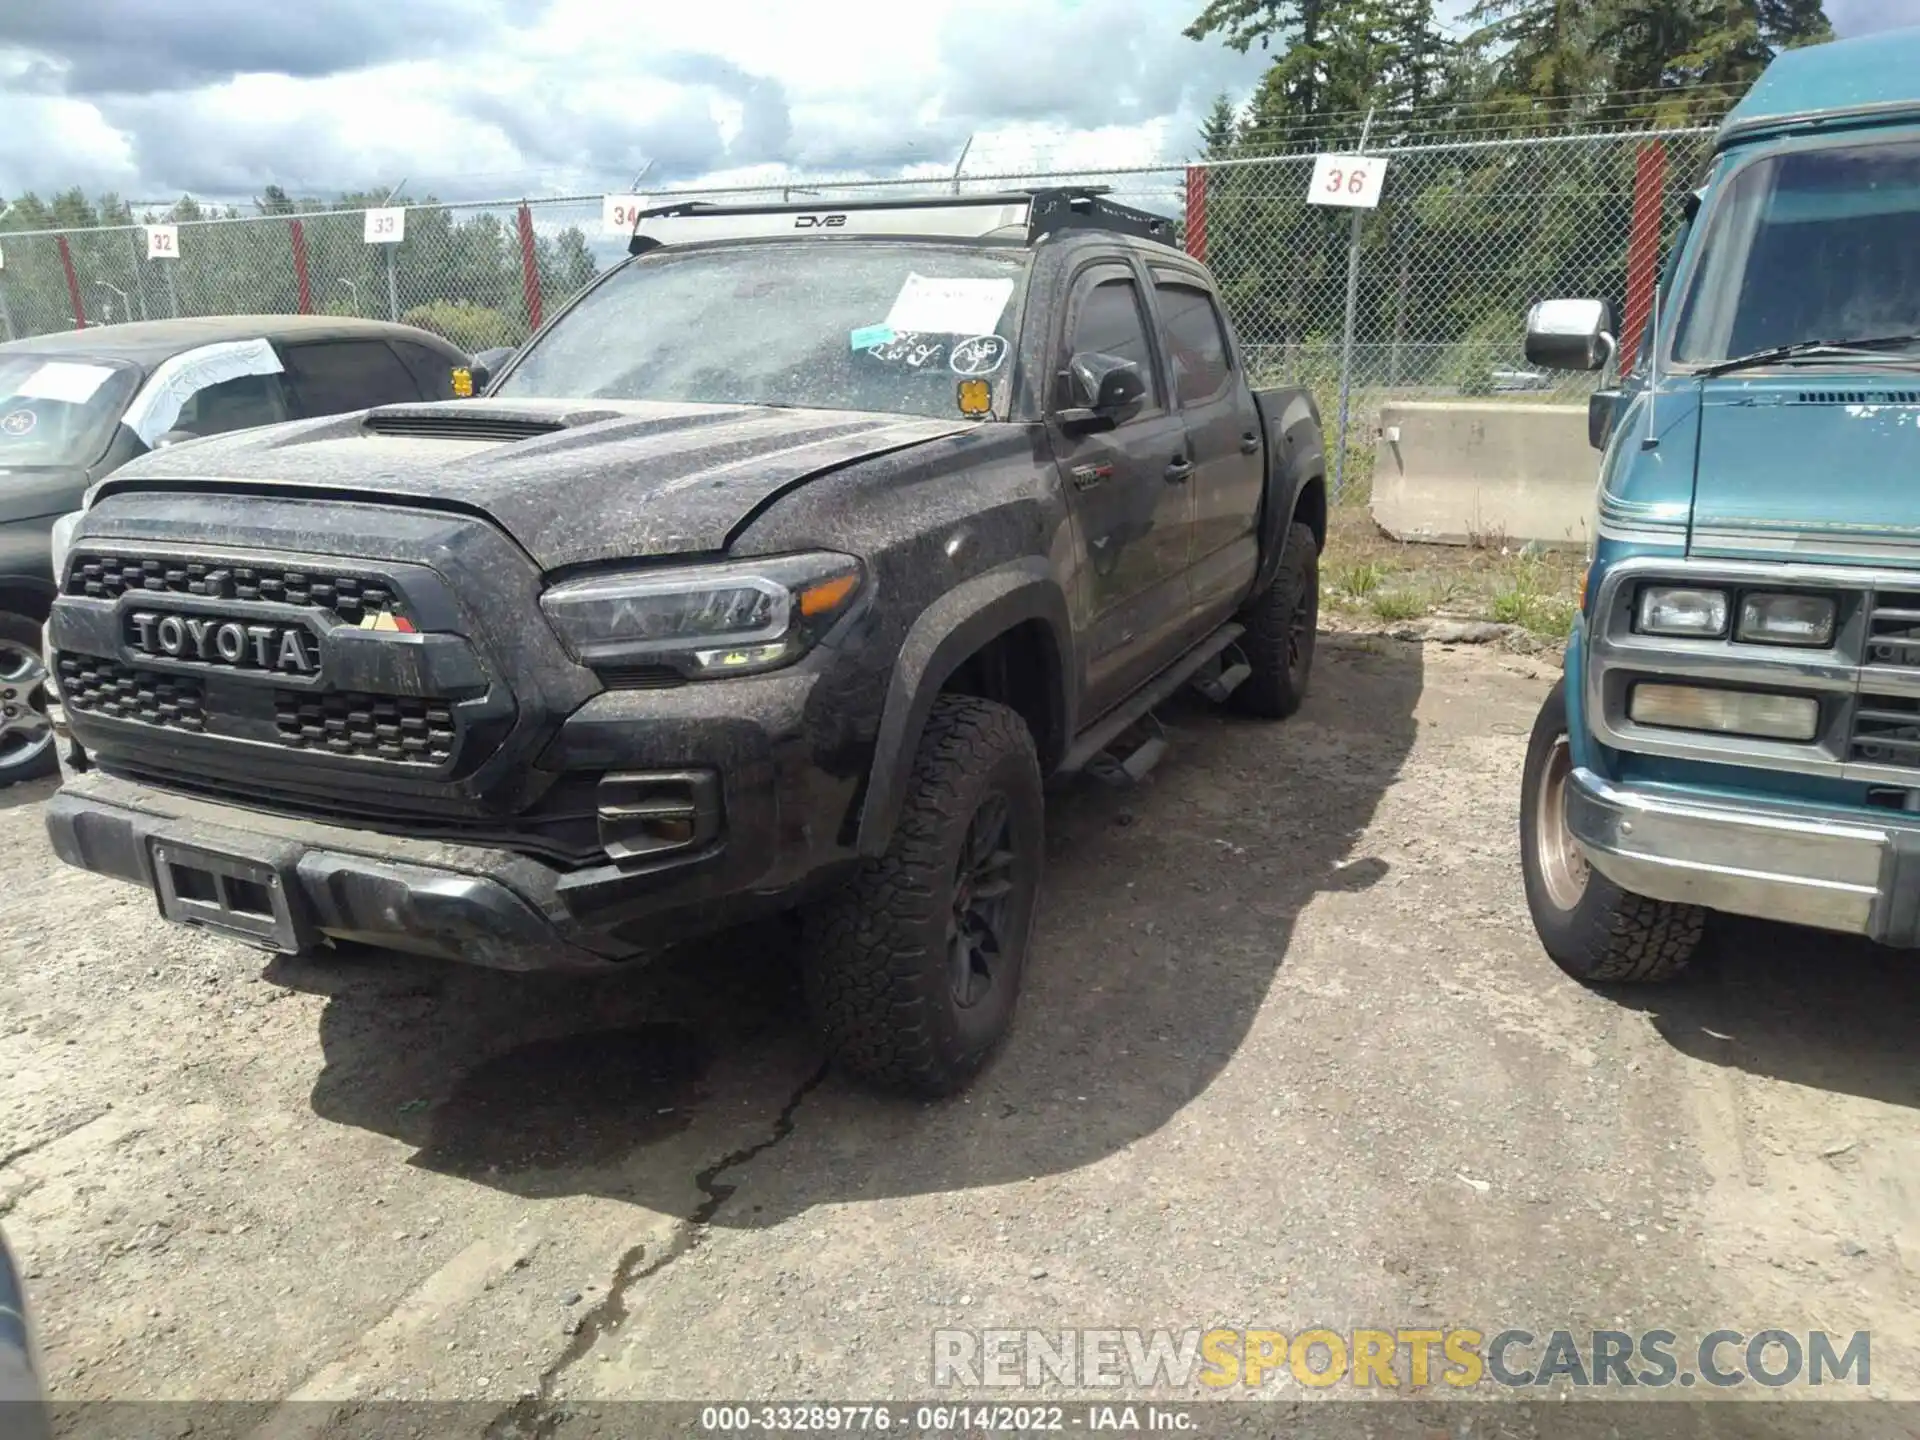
pixel 1786 620
pixel 60 542
pixel 705 620
pixel 1682 610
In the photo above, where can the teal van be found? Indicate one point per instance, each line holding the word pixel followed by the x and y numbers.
pixel 1739 724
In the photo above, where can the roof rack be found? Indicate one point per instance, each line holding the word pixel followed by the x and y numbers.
pixel 1026 215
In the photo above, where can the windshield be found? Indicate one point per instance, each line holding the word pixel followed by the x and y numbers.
pixel 832 325
pixel 60 411
pixel 1811 245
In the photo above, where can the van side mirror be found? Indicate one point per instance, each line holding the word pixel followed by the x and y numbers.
pixel 1570 334
pixel 1101 391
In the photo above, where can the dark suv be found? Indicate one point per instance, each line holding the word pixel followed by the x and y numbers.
pixel 774 573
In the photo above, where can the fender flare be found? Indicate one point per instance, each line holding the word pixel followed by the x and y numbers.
pixel 947 632
pixel 1300 465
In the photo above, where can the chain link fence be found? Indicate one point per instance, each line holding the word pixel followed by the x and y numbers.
pixel 1467 235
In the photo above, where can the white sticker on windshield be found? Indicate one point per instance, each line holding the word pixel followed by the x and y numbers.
pixel 949 307
pixel 178 380
pixel 64 381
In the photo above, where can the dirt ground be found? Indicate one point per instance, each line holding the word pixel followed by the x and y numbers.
pixel 1289 1056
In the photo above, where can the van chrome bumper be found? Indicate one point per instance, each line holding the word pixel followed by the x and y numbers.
pixel 1802 864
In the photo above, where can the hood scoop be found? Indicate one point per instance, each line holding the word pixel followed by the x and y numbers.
pixel 1857 397
pixel 460 425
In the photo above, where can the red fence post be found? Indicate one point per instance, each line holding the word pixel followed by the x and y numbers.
pixel 73 286
pixel 1197 211
pixel 530 270
pixel 299 238
pixel 1643 244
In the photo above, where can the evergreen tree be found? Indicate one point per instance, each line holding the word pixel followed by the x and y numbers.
pixel 1218 130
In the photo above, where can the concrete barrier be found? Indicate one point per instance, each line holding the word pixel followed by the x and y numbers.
pixel 1487 472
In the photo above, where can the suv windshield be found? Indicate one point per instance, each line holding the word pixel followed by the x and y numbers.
pixel 1808 246
pixel 58 411
pixel 831 325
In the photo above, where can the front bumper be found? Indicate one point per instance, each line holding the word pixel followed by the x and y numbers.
pixel 1805 865
pixel 464 902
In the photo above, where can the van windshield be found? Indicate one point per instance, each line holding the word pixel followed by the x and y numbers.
pixel 829 325
pixel 1807 246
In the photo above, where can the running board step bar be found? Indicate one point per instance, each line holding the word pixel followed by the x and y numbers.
pixel 1155 692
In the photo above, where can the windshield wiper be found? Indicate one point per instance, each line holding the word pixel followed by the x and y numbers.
pixel 1812 349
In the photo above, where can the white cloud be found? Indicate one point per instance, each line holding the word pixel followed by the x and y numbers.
pixel 574 100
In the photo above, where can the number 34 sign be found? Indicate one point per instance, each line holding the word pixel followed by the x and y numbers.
pixel 1347 180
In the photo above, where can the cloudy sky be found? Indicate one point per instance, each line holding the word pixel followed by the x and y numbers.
pixel 481 98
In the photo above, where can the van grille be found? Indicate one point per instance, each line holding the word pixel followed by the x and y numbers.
pixel 1893 630
pixel 1886 731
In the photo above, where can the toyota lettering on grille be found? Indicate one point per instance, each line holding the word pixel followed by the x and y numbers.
pixel 285 649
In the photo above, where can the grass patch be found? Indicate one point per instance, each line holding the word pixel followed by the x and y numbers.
pixel 1368 575
pixel 1358 578
pixel 1398 605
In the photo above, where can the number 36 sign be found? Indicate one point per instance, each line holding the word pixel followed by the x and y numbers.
pixel 1347 180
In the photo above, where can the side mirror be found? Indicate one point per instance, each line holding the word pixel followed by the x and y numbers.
pixel 1102 391
pixel 1570 334
pixel 487 364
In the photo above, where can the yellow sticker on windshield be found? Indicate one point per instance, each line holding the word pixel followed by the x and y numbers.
pixel 975 398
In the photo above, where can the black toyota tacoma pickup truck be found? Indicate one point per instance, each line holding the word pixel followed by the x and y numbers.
pixel 773 575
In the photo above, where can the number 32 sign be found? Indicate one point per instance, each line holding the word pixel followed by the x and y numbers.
pixel 1352 180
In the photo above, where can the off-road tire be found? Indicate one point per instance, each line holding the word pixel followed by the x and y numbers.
pixel 1280 629
pixel 1608 936
pixel 876 959
pixel 18 633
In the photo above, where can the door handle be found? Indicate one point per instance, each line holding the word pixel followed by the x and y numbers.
pixel 1179 471
pixel 1249 442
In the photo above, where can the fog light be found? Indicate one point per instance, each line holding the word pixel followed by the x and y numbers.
pixel 1728 712
pixel 1786 620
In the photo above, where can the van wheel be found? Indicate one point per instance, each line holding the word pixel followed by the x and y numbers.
pixel 913 968
pixel 26 733
pixel 1280 631
pixel 1593 929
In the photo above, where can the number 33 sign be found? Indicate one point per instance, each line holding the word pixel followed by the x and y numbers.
pixel 1347 180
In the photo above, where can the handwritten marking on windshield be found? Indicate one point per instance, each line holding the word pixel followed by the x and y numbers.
pixel 980 355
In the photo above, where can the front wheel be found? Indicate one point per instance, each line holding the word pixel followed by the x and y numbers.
pixel 26 732
pixel 913 969
pixel 1593 929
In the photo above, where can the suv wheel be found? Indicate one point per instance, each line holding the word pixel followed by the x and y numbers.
pixel 26 734
pixel 1594 930
pixel 913 968
pixel 1280 630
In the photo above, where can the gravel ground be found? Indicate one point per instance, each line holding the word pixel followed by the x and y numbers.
pixel 1289 1057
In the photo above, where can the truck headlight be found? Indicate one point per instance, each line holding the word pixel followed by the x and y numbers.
pixel 704 620
pixel 1786 620
pixel 1727 712
pixel 60 541
pixel 1682 610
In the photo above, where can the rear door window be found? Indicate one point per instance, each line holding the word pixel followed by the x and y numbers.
pixel 1196 340
pixel 333 376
